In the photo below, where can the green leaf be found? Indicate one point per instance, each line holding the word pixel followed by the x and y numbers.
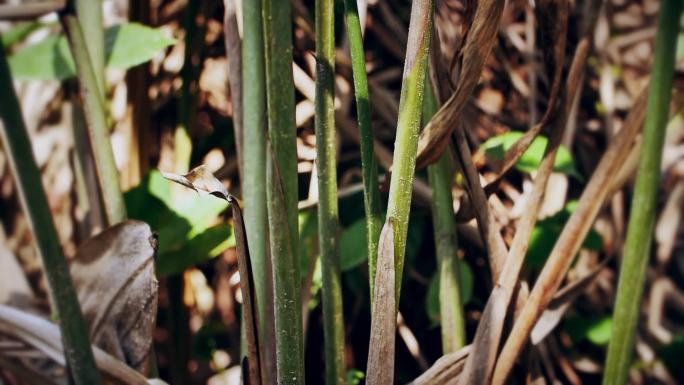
pixel 354 376
pixel 199 249
pixel 49 59
pixel 186 231
pixel 353 251
pixel 126 45
pixel 20 32
pixel 465 282
pixel 546 233
pixel 595 329
pixel 497 146
pixel 130 44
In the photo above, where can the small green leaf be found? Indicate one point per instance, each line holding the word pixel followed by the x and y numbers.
pixel 49 59
pixel 20 32
pixel 130 44
pixel 596 330
pixel 465 283
pixel 497 146
pixel 354 376
pixel 546 233
pixel 199 249
pixel 126 45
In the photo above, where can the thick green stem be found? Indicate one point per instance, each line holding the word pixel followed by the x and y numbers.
pixel 282 190
pixel 642 218
pixel 98 132
pixel 408 126
pixel 371 190
pixel 254 177
pixel 328 222
pixel 440 176
pixel 89 14
pixel 17 146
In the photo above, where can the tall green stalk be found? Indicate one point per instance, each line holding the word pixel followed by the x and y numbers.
pixel 254 176
pixel 408 127
pixel 93 105
pixel 89 14
pixel 371 190
pixel 641 222
pixel 281 191
pixel 17 146
pixel 440 176
pixel 328 222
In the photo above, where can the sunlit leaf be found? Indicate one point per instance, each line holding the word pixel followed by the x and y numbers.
pixel 596 330
pixel 497 146
pixel 126 45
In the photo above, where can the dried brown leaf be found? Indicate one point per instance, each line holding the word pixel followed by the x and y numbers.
pixel 201 180
pixel 561 302
pixel 383 315
pixel 114 278
pixel 570 240
pixel 446 370
pixel 478 44
pixel 44 336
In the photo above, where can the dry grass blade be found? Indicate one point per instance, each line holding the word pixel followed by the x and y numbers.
pixel 494 243
pixel 114 278
pixel 44 336
pixel 446 370
pixel 383 315
pixel 561 302
pixel 570 240
pixel 250 314
pixel 486 343
pixel 552 17
pixel 202 180
pixel 481 36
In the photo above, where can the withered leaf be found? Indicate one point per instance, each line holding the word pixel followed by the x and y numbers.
pixel 201 180
pixel 113 274
pixel 383 315
pixel 45 337
pixel 478 44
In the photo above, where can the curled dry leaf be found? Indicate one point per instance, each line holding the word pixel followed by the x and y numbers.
pixel 201 180
pixel 383 315
pixel 479 41
pixel 44 336
pixel 113 274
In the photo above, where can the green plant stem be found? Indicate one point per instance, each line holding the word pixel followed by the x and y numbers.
pixel 17 146
pixel 89 14
pixel 408 126
pixel 328 222
pixel 440 176
pixel 98 132
pixel 371 189
pixel 642 218
pixel 254 177
pixel 282 191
